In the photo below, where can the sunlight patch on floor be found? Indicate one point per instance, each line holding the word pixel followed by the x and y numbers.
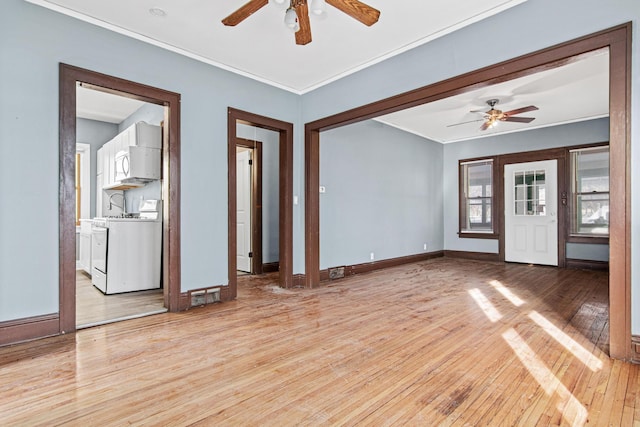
pixel 483 302
pixel 515 300
pixel 570 408
pixel 584 355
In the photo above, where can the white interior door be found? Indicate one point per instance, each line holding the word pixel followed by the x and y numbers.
pixel 243 186
pixel 531 208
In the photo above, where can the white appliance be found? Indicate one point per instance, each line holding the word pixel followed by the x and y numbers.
pixel 126 252
pixel 137 165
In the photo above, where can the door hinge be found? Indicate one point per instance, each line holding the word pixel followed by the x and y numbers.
pixel 250 254
pixel 250 161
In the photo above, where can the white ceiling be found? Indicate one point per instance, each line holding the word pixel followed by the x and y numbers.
pixel 261 47
pixel 105 107
pixel 575 92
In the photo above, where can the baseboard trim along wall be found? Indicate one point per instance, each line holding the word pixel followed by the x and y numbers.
pixel 29 328
pixel 635 348
pixel 339 272
pixel 585 264
pixel 478 256
pixel 270 267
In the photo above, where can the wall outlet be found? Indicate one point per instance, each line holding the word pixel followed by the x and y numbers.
pixel 323 189
pixel 425 247
pixel 371 256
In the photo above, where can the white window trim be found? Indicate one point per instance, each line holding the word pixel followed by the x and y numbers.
pixel 85 179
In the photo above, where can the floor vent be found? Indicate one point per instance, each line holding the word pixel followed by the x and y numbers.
pixel 336 273
pixel 204 296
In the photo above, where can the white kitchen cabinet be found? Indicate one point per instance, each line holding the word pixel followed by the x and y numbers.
pixel 145 135
pixel 110 172
pixel 139 134
pixel 100 161
pixel 99 195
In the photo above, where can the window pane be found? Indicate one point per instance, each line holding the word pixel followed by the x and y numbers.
pixel 593 214
pixel 592 170
pixel 590 187
pixel 477 198
pixel 530 193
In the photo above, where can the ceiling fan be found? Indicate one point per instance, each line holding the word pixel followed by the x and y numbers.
pixel 493 116
pixel 297 14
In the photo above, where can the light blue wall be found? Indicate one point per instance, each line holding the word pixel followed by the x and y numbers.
pixel 150 113
pixel 94 133
pixel 33 41
pixel 588 251
pixel 537 24
pixel 270 188
pixel 383 194
pixel 551 137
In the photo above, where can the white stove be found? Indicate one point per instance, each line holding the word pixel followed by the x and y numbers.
pixel 126 251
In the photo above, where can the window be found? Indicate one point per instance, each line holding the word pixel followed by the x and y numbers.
pixel 590 192
pixel 530 193
pixel 83 182
pixel 476 196
pixel 78 188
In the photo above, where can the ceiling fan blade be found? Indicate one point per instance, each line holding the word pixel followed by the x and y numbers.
pixel 244 12
pixel 303 35
pixel 520 110
pixel 485 126
pixel 357 10
pixel 463 123
pixel 518 119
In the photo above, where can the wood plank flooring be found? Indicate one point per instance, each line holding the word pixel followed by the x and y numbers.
pixel 93 307
pixel 442 342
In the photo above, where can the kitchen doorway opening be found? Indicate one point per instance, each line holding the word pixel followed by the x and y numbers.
pixel 118 277
pixel 133 215
pixel 270 236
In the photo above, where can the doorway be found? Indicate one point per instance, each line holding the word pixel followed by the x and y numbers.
pixel 70 77
pixel 530 214
pixel 257 217
pixel 284 197
pixel 134 264
pixel 617 40
pixel 244 209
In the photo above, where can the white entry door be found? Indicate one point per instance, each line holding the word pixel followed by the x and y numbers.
pixel 243 200
pixel 531 212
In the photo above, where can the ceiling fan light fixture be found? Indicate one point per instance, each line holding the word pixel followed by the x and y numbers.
pixel 291 20
pixel 318 7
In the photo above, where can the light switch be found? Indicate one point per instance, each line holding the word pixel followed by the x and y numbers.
pixel 322 189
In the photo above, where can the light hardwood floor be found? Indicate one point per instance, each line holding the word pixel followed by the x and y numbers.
pixel 441 342
pixel 93 307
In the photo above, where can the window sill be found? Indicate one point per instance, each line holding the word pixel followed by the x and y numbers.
pixel 594 240
pixel 476 235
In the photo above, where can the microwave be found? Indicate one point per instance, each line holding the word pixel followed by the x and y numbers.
pixel 137 164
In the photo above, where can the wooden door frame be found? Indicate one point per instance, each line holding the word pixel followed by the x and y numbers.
pixel 285 233
pixel 618 41
pixel 69 76
pixel 256 202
